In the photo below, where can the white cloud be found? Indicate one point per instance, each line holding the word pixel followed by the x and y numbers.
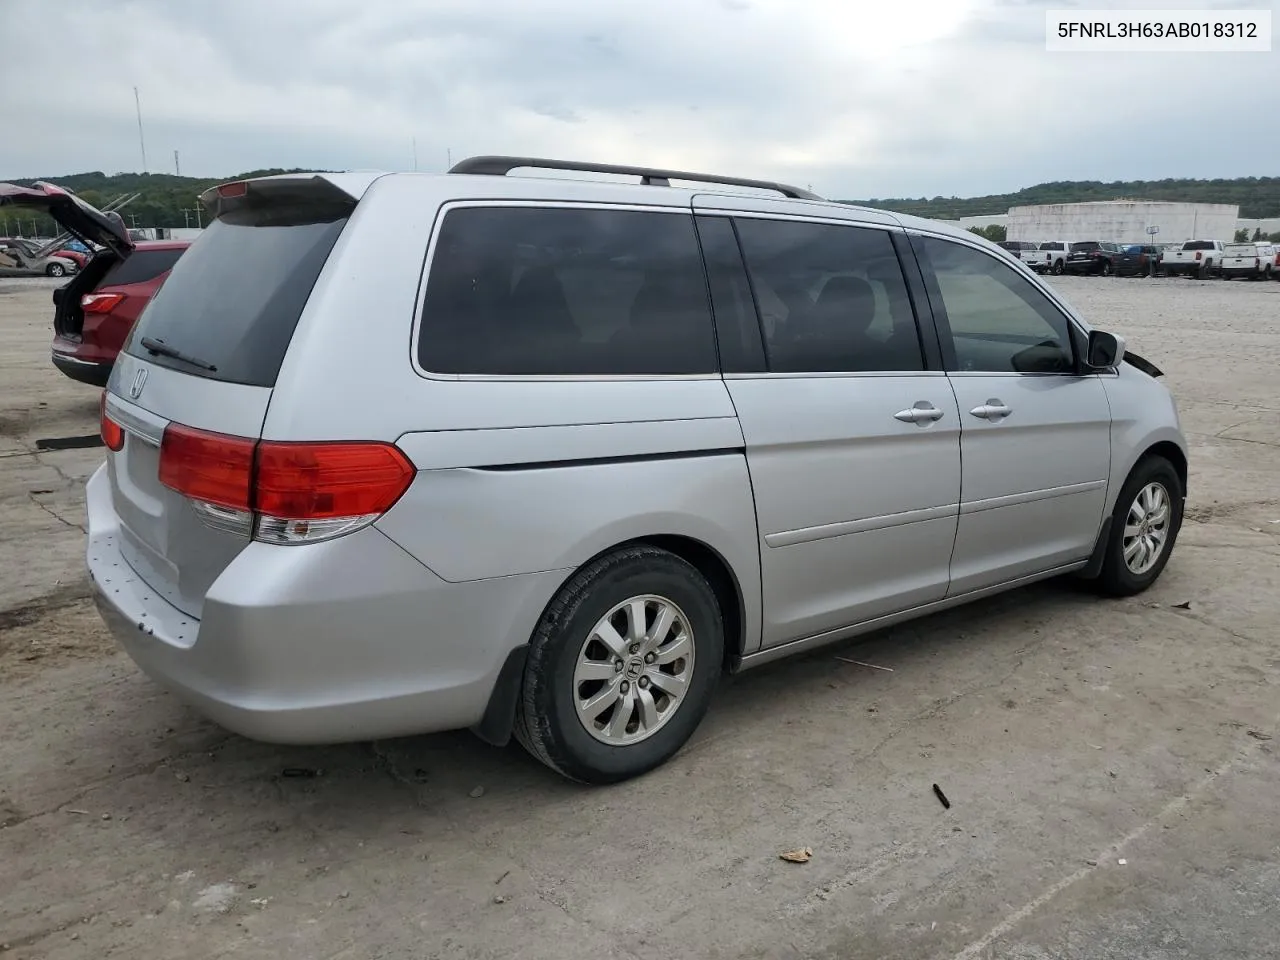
pixel 858 98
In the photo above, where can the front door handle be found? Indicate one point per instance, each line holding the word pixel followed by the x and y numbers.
pixel 922 411
pixel 993 409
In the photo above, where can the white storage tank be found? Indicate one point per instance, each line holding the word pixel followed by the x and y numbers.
pixel 1124 221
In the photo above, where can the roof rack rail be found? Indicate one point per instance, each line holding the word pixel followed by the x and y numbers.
pixel 649 176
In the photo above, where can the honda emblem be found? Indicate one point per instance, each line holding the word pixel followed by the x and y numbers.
pixel 139 381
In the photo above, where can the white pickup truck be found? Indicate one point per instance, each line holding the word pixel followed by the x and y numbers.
pixel 1048 257
pixel 1196 258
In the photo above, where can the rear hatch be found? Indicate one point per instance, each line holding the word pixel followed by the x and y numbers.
pixel 190 390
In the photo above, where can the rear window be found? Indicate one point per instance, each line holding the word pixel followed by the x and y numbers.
pixel 1052 245
pixel 1241 250
pixel 548 291
pixel 234 297
pixel 141 266
pixel 1198 245
pixel 1085 246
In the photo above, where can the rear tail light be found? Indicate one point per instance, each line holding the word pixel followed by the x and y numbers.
pixel 283 492
pixel 1199 254
pixel 112 432
pixel 1257 261
pixel 100 302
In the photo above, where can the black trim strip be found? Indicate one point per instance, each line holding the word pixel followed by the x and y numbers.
pixel 605 461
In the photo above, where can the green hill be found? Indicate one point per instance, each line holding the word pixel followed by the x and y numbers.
pixel 1256 196
pixel 165 197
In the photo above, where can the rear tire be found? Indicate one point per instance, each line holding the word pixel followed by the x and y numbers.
pixel 56 270
pixel 1106 268
pixel 594 680
pixel 1056 269
pixel 1144 528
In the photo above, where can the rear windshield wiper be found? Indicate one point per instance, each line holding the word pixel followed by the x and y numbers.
pixel 163 349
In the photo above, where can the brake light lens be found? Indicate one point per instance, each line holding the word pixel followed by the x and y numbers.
pixel 283 492
pixel 100 302
pixel 210 467
pixel 1199 254
pixel 230 191
pixel 1257 261
pixel 112 432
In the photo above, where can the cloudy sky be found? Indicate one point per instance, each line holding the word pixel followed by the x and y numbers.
pixel 860 98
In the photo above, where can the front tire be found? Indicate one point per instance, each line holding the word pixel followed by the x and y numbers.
pixel 621 667
pixel 1144 528
pixel 1106 268
pixel 55 270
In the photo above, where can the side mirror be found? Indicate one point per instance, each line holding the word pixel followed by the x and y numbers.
pixel 1105 350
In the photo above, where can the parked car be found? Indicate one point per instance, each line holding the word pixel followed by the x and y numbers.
pixel 1019 249
pixel 1197 258
pixel 25 256
pixel 78 256
pixel 1091 257
pixel 1049 257
pixel 1136 259
pixel 544 486
pixel 94 313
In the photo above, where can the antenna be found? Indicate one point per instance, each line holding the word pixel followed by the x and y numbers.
pixel 141 143
pixel 176 168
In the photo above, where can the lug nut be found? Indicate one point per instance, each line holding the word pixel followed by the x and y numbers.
pixel 617 666
pixel 625 686
pixel 644 682
pixel 635 648
pixel 649 658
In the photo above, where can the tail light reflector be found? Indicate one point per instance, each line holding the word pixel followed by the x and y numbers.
pixel 1257 261
pixel 284 492
pixel 100 302
pixel 1199 255
pixel 112 432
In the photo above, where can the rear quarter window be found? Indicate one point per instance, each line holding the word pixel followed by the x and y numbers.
pixel 559 291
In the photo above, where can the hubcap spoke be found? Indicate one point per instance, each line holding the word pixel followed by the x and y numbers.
pixel 594 670
pixel 636 617
pixel 648 710
pixel 599 703
pixel 661 627
pixel 677 648
pixel 673 687
pixel 610 637
pixel 622 715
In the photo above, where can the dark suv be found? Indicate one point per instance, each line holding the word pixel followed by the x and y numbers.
pixel 1091 257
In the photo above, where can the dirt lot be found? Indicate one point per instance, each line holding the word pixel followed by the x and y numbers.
pixel 1110 764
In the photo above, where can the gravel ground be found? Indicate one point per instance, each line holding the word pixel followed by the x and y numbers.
pixel 1109 764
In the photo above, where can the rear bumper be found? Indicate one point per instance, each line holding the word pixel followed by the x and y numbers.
pixel 1242 271
pixel 351 639
pixel 94 372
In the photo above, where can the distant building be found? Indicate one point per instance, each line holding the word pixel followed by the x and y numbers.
pixel 1124 221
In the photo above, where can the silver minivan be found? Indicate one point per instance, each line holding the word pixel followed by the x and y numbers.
pixel 390 454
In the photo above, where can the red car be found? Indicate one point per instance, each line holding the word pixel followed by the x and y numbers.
pixel 90 328
pixel 95 311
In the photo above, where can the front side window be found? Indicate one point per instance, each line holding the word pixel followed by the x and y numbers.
pixel 1000 322
pixel 831 298
pixel 575 292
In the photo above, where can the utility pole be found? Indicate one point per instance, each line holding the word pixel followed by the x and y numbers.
pixel 137 103
pixel 199 212
pixel 186 216
pixel 177 170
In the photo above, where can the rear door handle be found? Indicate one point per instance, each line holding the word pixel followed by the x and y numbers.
pixel 993 409
pixel 922 411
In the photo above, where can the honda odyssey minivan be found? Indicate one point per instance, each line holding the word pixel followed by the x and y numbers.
pixel 390 454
